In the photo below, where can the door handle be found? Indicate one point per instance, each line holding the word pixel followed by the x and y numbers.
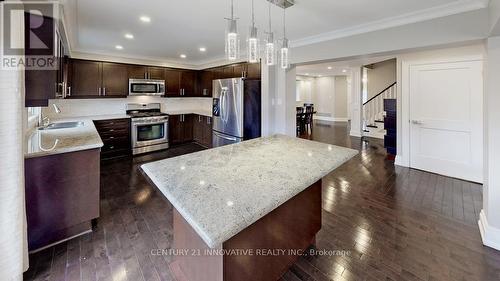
pixel 417 122
pixel 225 137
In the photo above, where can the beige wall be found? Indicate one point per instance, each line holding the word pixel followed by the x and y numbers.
pixel 340 103
pixel 380 77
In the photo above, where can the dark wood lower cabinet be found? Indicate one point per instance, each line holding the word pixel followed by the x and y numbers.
pixel 62 196
pixel 180 128
pixel 115 134
pixel 287 232
pixel 190 127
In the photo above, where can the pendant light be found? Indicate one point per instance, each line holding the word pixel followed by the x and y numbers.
pixel 232 37
pixel 270 45
pixel 253 40
pixel 284 51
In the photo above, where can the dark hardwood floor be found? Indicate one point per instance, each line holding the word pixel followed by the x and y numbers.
pixel 380 222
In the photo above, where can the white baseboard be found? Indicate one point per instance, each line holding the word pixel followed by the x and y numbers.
pixel 355 134
pixel 399 161
pixel 490 235
pixel 332 119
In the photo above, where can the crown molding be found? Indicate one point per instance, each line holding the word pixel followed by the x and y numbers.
pixel 460 6
pixel 130 59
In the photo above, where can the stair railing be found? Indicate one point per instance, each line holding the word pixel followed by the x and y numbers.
pixel 373 109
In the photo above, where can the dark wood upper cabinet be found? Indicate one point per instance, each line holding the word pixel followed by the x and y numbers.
pixel 253 71
pixel 157 73
pixel 146 72
pixel 86 79
pixel 137 72
pixel 172 81
pixel 188 83
pixel 239 70
pixel 42 85
pixel 205 83
pixel 114 80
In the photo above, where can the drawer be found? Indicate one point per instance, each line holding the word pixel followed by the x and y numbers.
pixel 113 144
pixel 113 123
pixel 115 139
pixel 113 132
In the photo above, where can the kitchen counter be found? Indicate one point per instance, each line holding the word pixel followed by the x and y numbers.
pixel 220 192
pixel 207 113
pixel 49 142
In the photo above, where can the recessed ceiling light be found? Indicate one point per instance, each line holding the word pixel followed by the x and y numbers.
pixel 129 36
pixel 344 70
pixel 329 67
pixel 119 47
pixel 203 49
pixel 145 19
pixel 307 73
pixel 183 56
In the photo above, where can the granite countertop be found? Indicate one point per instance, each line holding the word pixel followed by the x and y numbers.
pixel 49 142
pixel 221 191
pixel 207 113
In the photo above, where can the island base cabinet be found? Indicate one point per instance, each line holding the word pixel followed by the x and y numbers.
pixel 62 196
pixel 288 230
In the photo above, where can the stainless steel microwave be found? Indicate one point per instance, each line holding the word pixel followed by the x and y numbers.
pixel 146 87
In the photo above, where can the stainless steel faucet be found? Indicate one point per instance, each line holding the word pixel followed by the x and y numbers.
pixel 45 121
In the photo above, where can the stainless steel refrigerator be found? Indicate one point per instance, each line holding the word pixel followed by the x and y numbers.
pixel 236 110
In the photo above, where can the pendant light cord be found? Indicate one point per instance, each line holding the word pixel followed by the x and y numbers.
pixel 270 28
pixel 284 22
pixel 253 15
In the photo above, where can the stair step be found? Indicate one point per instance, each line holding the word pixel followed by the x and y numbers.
pixel 379 121
pixel 372 126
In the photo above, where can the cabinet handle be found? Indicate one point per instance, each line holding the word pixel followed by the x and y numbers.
pixel 205 92
pixel 209 120
pixel 199 118
pixel 104 91
pixel 111 138
pixel 112 147
pixel 99 90
pixel 112 130
pixel 69 91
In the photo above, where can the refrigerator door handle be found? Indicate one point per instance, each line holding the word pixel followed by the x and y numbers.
pixel 225 137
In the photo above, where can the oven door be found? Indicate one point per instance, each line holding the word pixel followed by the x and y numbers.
pixel 146 134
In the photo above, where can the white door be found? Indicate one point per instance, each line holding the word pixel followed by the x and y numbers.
pixel 446 119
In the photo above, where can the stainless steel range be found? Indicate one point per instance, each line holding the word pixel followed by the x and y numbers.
pixel 149 127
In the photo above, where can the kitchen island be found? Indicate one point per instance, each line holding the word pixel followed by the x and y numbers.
pixel 245 211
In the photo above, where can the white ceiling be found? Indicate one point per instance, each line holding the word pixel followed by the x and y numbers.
pixel 183 26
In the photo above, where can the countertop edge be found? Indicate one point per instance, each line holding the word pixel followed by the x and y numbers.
pixel 225 236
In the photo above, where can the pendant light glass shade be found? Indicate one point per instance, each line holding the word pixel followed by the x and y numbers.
pixel 232 37
pixel 285 50
pixel 270 47
pixel 253 45
pixel 285 55
pixel 253 42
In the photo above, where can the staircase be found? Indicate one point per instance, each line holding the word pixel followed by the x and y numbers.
pixel 373 112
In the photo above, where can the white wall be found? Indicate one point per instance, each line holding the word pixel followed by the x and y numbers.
pixel 465 27
pixel 328 94
pixel 13 242
pixel 489 223
pixel 89 107
pixel 380 77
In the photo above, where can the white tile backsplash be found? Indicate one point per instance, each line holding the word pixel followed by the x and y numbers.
pixel 91 107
